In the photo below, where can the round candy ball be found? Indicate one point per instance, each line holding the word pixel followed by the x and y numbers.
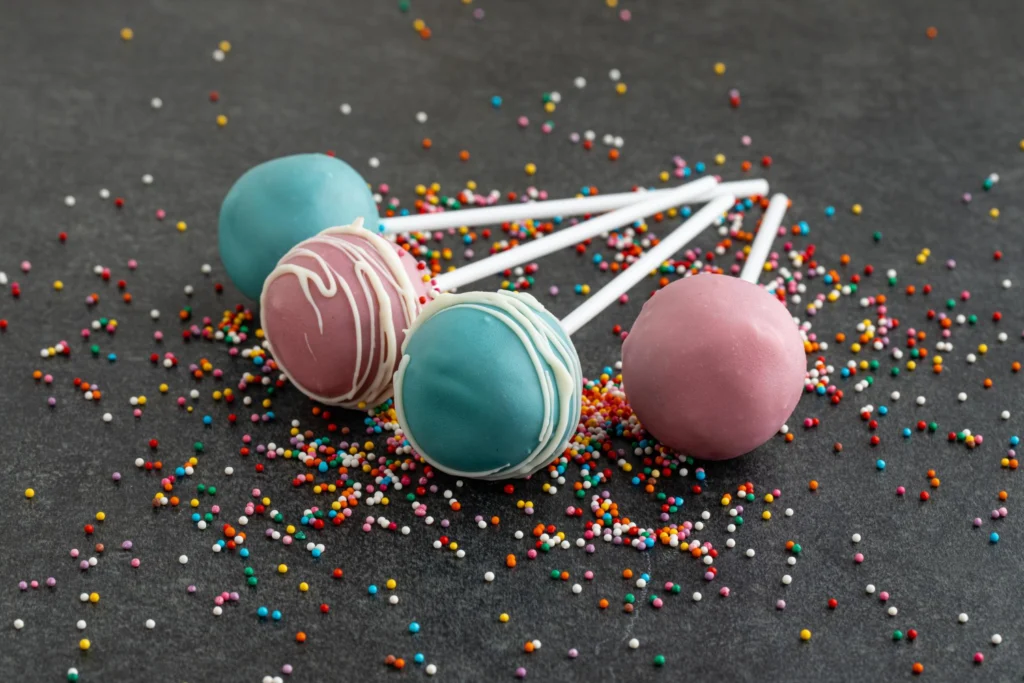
pixel 714 366
pixel 335 311
pixel 489 385
pixel 281 202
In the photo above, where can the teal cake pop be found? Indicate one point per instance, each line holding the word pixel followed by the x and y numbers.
pixel 281 202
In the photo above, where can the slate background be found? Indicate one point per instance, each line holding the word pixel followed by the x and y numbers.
pixel 850 99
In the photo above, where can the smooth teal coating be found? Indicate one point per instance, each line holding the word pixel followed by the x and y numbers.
pixel 470 393
pixel 281 202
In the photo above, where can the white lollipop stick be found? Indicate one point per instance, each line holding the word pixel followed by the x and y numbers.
pixel 754 265
pixel 561 239
pixel 643 266
pixel 575 206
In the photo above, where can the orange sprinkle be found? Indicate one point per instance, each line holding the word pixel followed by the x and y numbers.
pixel 613 154
pixel 813 485
pixel 528 647
pixel 627 573
pixel 1015 367
pixel 427 143
pixel 918 668
pixel 300 637
pixel 510 561
pixel 1003 495
pixel 932 34
pixel 464 155
pixel 987 383
pixel 603 604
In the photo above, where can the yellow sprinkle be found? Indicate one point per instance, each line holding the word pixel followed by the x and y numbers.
pixel 391 584
pixel 100 516
pixel 982 348
pixel 530 168
pixel 994 213
pixel 549 107
pixel 419 25
pixel 856 209
pixel 94 598
pixel 911 365
pixel 769 498
pixel 719 68
pixel 855 347
pixel 303 586
pixel 805 634
pixel 194 503
pixel 224 46
pixel 84 644
pixel 620 88
pixel 503 618
pixel 766 515
pixel 142 400
pixel 719 159
pixel 282 569
pixel 127 34
pixel 182 226
pixel 470 184
pixel 58 285
pixel 222 120
pixel 921 258
pixel 30 493
pixel 926 251
pixel 664 176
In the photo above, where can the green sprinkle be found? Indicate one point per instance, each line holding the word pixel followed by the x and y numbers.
pixel 659 660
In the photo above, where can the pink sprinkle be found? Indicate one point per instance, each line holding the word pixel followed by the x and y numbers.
pixel 532 554
pixel 625 15
pixel 900 490
pixel 995 514
pixel 780 604
pixel 967 198
pixel 1003 512
pixel 192 589
pixel 745 141
pixel 724 591
pixel 978 658
pixel 977 521
pixel 158 335
pixel 553 291
pixel 858 558
pixel 523 121
pixel 657 603
pixel 883 596
pixel 588 575
pixel 136 563
pixel 709 576
pixel 286 669
pixel 74 552
pixel 26 266
pixel 160 214
pixel 132 264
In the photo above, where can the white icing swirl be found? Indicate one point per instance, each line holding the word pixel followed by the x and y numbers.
pixel 547 349
pixel 377 266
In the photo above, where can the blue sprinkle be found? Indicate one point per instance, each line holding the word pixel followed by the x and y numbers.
pixel 207 420
pixel 830 211
pixel 880 464
pixel 419 658
pixel 496 102
pixel 906 432
pixel 112 357
pixel 1014 440
pixel 699 166
pixel 883 410
pixel 262 612
pixel 316 552
pixel 993 537
pixel 372 589
pixel 701 475
pixel 276 615
pixel 414 627
pixel 244 552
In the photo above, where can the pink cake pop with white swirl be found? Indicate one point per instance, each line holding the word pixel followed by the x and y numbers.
pixel 335 311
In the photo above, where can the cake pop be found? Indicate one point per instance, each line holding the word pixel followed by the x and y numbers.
pixel 490 384
pixel 715 365
pixel 336 307
pixel 277 204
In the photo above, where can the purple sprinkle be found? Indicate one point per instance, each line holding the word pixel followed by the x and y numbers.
pixel 126 545
pixel 573 654
pixel 51 582
pixel 191 589
pixel 521 672
pixel 51 401
pixel 22 585
pixel 116 476
pixel 83 565
pixel 553 291
pixel 286 669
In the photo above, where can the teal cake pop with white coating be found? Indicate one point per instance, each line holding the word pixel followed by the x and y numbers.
pixel 489 385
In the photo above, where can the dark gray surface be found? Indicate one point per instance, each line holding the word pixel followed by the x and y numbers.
pixel 851 100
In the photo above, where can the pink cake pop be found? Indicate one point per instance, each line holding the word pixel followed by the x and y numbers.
pixel 715 365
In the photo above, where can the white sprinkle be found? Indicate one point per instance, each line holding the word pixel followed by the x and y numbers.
pixel 996 639
pixel 750 552
pixel 921 400
pixel 633 642
pixel 229 471
pixel 791 560
pixel 641 583
pixel 374 162
pixel 218 610
pixel 81 624
pixel 107 417
pixel 421 117
pixel 183 559
pixel 787 579
pixel 963 618
pixel 156 103
pixel 150 623
pixel 870 589
pixel 206 269
pixel 789 512
pixel 971 358
pixel 895 395
pixel 697 597
pixel 615 74
pixel 147 179
pixel 18 624
pixel 69 201
pixel 189 290
pixel 1007 284
pixel 556 96
pixel 104 194
pixel 1005 414
pixel 855 538
pixel 431 669
pixel 580 82
pixel 84 597
pixel 962 396
pixel 393 600
pixel 577 589
pixel 892 611
pixel 345 109
pixel 218 55
pixel 154 314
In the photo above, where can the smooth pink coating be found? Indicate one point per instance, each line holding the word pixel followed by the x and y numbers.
pixel 713 366
pixel 328 365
